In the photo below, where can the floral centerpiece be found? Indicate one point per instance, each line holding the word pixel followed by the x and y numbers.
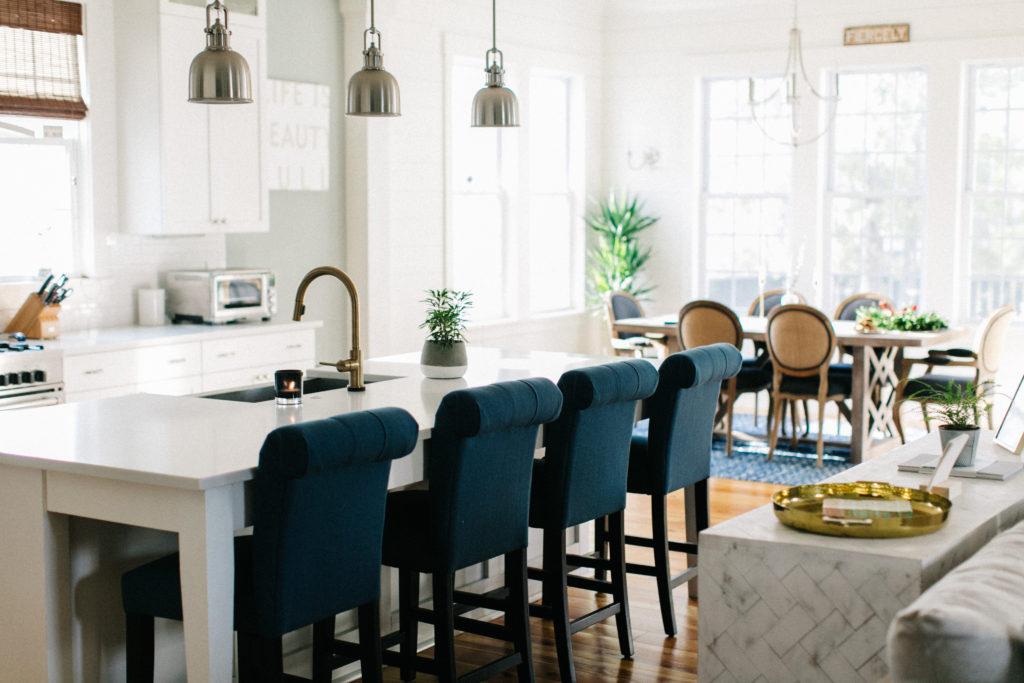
pixel 907 319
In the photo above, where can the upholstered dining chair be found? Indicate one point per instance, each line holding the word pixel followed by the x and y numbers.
pixel 761 306
pixel 984 360
pixel 671 450
pixel 772 298
pixel 705 322
pixel 582 477
pixel 801 342
pixel 314 552
pixel 476 507
pixel 625 305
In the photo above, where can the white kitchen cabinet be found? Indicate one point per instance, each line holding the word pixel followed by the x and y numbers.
pixel 187 168
pixel 164 369
pixel 244 361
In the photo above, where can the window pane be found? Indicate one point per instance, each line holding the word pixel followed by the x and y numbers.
pixel 550 253
pixel 35 193
pixel 549 134
pixel 478 249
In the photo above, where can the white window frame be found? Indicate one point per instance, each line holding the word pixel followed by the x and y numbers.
pixel 520 63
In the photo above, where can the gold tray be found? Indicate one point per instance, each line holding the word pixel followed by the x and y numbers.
pixel 800 508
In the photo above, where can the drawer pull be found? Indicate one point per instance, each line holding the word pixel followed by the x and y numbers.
pixel 176 360
pixel 294 346
pixel 93 372
pixel 225 354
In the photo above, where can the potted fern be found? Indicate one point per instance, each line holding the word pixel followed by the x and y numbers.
pixel 956 407
pixel 444 351
pixel 617 258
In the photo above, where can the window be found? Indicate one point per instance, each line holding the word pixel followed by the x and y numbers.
pixel 515 231
pixel 876 180
pixel 995 187
pixel 37 197
pixel 745 207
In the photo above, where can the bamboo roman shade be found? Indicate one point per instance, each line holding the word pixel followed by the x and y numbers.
pixel 39 72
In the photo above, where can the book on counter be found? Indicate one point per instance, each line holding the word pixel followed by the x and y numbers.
pixel 983 468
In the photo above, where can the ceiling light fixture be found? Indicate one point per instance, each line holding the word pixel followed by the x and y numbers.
pixel 494 105
pixel 794 72
pixel 218 74
pixel 372 91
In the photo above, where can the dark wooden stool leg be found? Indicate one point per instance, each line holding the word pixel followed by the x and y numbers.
pixel 371 659
pixel 556 596
pixel 139 648
pixel 260 660
pixel 600 544
pixel 323 639
pixel 663 570
pixel 518 614
pixel 408 603
pixel 444 626
pixel 617 543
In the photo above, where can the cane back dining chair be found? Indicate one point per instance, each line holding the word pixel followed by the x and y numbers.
pixel 624 305
pixel 318 517
pixel 848 307
pixel 671 450
pixel 476 507
pixel 705 322
pixel 984 360
pixel 771 299
pixel 801 342
pixel 582 477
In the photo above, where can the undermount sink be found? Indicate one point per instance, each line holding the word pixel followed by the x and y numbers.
pixel 311 385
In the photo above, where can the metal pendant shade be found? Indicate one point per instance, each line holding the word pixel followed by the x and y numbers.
pixel 372 91
pixel 494 105
pixel 218 74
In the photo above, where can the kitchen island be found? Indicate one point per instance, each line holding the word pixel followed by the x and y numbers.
pixel 178 464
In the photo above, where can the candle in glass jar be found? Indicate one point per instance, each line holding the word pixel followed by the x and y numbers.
pixel 288 386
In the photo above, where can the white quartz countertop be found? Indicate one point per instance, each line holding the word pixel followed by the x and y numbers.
pixel 199 443
pixel 116 338
pixel 982 506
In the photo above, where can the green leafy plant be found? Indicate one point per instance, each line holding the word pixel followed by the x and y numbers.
pixel 907 319
pixel 446 316
pixel 618 258
pixel 956 405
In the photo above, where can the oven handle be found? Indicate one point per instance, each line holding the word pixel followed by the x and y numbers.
pixel 49 397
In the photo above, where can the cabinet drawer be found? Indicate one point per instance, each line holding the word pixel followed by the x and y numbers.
pixel 178 386
pixel 255 351
pixel 232 379
pixel 157 363
pixel 99 370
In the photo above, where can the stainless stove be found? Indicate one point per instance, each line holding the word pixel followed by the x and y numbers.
pixel 30 375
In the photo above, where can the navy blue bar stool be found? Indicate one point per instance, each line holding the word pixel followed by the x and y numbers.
pixel 318 520
pixel 582 477
pixel 479 465
pixel 671 450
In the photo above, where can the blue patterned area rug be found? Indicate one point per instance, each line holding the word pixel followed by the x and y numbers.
pixel 788 466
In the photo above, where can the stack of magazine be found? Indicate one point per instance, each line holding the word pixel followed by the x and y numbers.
pixel 983 468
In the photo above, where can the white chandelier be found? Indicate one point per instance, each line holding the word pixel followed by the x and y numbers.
pixel 791 77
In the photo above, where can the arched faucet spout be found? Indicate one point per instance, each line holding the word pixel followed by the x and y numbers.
pixel 354 364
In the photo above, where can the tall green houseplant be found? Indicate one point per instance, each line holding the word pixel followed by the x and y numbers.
pixel 617 258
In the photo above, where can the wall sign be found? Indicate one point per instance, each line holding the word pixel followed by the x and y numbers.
pixel 299 115
pixel 868 35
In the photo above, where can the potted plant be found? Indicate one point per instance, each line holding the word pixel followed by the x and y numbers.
pixel 957 407
pixel 617 258
pixel 444 351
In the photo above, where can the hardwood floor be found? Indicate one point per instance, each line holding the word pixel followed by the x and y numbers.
pixel 596 650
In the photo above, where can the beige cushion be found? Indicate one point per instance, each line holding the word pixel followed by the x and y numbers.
pixel 968 626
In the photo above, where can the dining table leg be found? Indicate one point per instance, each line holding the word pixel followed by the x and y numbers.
pixel 860 396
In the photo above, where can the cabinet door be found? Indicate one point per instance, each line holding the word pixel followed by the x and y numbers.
pixel 185 185
pixel 238 202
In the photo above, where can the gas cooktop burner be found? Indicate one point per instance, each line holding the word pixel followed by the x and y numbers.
pixel 16 347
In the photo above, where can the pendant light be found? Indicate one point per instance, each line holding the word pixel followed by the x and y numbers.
pixel 218 74
pixel 495 106
pixel 372 91
pixel 794 73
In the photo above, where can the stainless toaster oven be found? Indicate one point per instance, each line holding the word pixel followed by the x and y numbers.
pixel 220 296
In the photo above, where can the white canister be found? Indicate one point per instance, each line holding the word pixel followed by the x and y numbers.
pixel 151 307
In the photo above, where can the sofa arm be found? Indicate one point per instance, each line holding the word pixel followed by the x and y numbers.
pixel 969 626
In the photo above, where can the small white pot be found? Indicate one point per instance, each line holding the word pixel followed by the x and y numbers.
pixel 947 433
pixel 441 362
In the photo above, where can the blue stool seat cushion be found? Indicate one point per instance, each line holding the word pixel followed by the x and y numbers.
pixel 583 473
pixel 318 515
pixel 837 384
pixel 479 466
pixel 674 449
pixel 753 374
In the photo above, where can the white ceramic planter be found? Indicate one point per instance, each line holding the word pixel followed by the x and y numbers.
pixel 440 362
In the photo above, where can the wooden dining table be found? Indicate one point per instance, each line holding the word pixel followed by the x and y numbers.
pixel 877 362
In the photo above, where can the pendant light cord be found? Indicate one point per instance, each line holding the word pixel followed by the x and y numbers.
pixel 372 22
pixel 494 24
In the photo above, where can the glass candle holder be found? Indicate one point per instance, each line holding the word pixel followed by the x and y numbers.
pixel 288 387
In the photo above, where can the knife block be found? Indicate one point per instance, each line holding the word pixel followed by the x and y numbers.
pixel 36 319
